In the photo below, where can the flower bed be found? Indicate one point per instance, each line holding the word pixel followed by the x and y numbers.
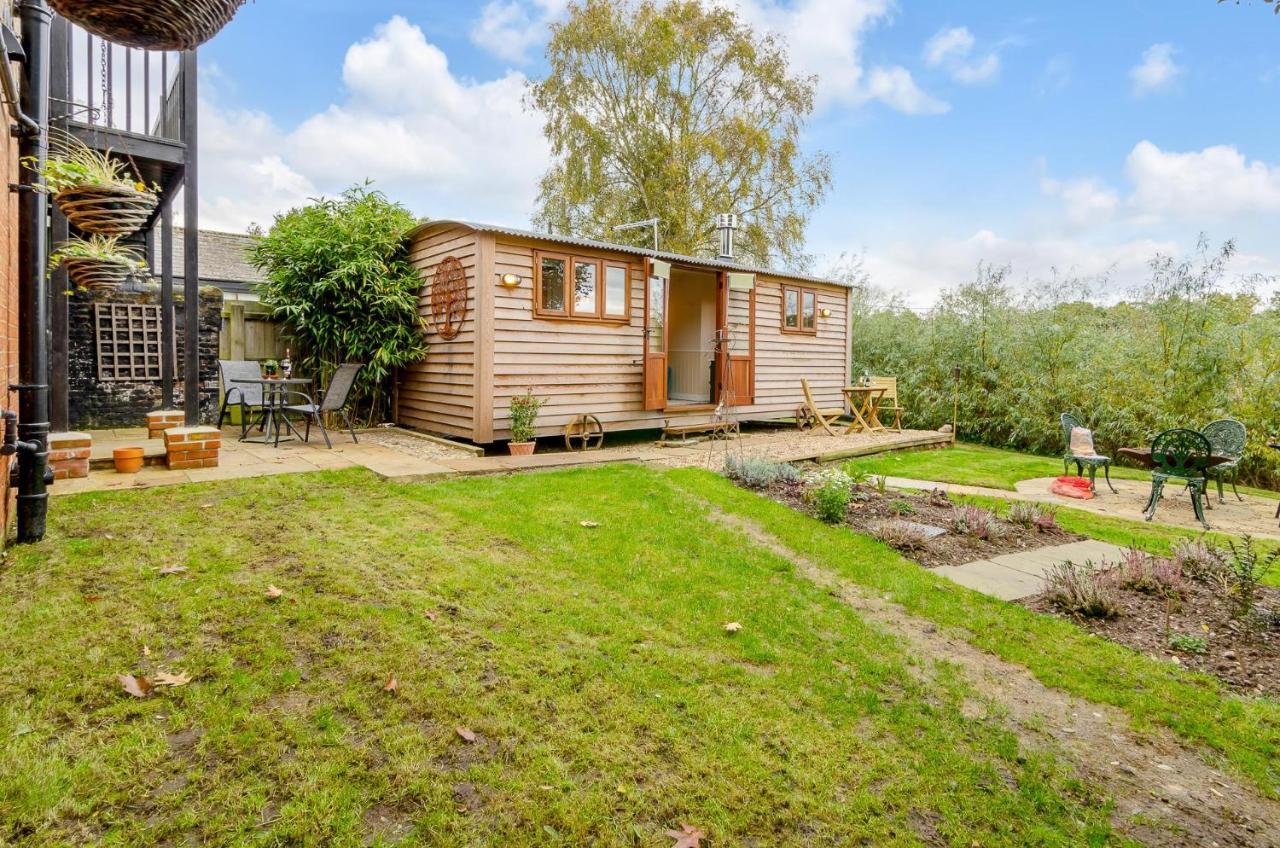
pixel 1203 608
pixel 899 519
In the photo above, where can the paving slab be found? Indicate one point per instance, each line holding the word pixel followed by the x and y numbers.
pixel 993 579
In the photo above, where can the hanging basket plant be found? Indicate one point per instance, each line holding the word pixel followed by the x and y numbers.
pixel 151 24
pixel 100 262
pixel 95 191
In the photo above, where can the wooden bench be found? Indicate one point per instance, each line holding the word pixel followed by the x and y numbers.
pixel 680 433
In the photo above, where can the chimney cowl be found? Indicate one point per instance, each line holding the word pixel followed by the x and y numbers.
pixel 726 225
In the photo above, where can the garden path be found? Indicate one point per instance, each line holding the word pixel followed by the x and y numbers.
pixel 1021 574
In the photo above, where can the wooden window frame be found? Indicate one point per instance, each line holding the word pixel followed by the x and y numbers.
pixel 570 311
pixel 799 329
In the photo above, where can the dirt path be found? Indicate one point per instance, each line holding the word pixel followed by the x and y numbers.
pixel 1165 793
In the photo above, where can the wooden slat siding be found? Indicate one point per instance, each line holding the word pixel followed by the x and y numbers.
pixel 438 394
pixel 579 367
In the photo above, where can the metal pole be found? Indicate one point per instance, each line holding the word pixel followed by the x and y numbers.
pixel 191 233
pixel 33 314
pixel 60 94
pixel 167 347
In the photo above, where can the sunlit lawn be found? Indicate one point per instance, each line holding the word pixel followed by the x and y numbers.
pixel 607 700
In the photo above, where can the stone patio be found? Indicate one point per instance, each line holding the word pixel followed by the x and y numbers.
pixel 401 455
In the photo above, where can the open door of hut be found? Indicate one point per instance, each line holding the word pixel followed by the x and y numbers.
pixel 657 282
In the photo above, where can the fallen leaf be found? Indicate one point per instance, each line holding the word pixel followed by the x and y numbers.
pixel 274 594
pixel 392 684
pixel 589 524
pixel 466 734
pixel 732 627
pixel 22 730
pixel 146 652
pixel 168 678
pixel 205 505
pixel 92 599
pixel 173 569
pixel 136 685
pixel 430 615
pixel 687 836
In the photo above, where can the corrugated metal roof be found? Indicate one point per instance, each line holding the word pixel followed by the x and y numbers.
pixel 677 258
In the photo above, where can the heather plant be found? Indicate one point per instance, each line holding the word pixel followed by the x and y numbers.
pixel 901 508
pixel 1034 516
pixel 978 523
pixel 1141 572
pixel 939 498
pixel 1197 560
pixel 901 536
pixel 758 473
pixel 1083 590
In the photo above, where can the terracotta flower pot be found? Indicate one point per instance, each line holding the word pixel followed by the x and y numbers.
pixel 128 460
pixel 521 448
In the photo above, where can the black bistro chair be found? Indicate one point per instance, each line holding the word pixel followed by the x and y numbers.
pixel 246 395
pixel 334 401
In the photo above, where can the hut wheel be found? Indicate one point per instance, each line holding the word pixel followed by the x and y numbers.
pixel 584 433
pixel 804 418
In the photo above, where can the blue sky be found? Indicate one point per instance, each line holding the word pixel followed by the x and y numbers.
pixel 1080 136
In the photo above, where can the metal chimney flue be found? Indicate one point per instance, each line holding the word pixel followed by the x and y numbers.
pixel 727 225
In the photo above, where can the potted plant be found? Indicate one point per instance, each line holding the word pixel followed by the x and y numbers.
pixel 99 262
pixel 524 414
pixel 270 368
pixel 151 24
pixel 95 191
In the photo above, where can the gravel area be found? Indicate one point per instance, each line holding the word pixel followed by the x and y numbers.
pixel 398 439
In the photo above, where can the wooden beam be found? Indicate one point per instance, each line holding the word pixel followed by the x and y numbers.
pixel 486 279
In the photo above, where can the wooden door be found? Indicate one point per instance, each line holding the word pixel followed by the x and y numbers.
pixel 656 338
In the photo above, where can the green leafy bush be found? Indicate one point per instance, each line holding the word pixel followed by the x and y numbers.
pixel 1246 566
pixel 524 416
pixel 1192 344
pixel 830 500
pixel 340 280
pixel 1189 643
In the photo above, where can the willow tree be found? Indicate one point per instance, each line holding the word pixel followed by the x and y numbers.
pixel 340 281
pixel 676 111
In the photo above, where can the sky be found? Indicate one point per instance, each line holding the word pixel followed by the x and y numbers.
pixel 1061 139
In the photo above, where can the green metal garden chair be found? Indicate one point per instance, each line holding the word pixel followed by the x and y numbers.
pixel 1180 455
pixel 1226 438
pixel 1091 461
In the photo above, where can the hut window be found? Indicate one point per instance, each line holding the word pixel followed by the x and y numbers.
pixel 581 288
pixel 799 310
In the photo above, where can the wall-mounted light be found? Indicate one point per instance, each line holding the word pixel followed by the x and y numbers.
pixel 825 313
pixel 511 280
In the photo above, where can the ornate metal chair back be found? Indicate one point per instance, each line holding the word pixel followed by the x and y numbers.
pixel 1069 422
pixel 1226 437
pixel 1180 453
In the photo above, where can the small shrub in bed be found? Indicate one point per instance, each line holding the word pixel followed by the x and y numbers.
pixel 830 501
pixel 901 536
pixel 977 522
pixel 1141 572
pixel 1189 643
pixel 1034 516
pixel 1246 566
pixel 901 508
pixel 758 472
pixel 1082 590
pixel 939 498
pixel 1198 561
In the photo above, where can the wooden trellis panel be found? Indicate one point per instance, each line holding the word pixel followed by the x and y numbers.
pixel 128 341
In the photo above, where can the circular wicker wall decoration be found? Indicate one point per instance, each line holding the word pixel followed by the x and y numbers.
pixel 449 297
pixel 151 24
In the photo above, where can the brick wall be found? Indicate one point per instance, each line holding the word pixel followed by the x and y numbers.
pixel 95 404
pixel 8 286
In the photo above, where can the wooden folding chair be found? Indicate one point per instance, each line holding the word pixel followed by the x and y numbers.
pixel 889 400
pixel 811 412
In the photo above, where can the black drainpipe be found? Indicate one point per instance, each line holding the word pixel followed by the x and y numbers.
pixel 32 442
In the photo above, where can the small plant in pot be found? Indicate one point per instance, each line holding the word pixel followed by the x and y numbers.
pixel 524 415
pixel 271 369
pixel 99 262
pixel 94 191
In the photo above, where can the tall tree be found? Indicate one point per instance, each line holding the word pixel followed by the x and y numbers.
pixel 678 112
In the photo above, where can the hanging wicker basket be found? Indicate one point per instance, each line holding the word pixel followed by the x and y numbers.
pixel 151 24
pixel 106 210
pixel 93 274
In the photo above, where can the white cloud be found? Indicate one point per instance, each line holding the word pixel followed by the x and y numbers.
pixel 1215 182
pixel 444 145
pixel 510 29
pixel 952 50
pixel 1157 71
pixel 1086 201
pixel 1056 75
pixel 823 37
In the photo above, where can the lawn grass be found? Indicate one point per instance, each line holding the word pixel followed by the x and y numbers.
pixel 1244 731
pixel 977 465
pixel 592 663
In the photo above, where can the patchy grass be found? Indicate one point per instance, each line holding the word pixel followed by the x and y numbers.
pixel 607 700
pixel 1244 731
pixel 976 465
